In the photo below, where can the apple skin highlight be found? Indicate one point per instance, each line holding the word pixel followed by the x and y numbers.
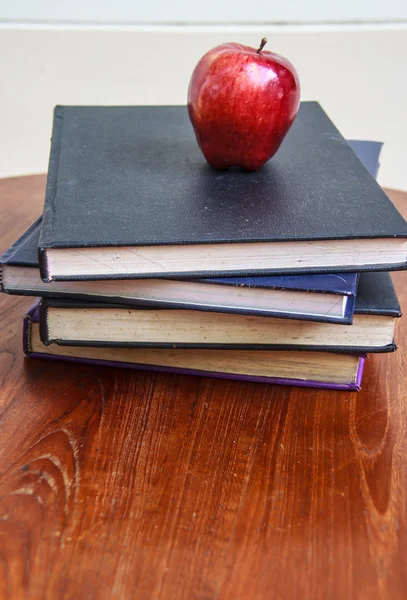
pixel 242 102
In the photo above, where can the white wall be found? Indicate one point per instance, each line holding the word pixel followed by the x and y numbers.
pixel 357 71
pixel 197 11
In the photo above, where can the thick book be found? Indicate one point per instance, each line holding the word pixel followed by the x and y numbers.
pixel 129 195
pixel 305 369
pixel 96 324
pixel 326 298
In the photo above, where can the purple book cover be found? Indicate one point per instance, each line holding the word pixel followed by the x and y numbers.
pixel 32 316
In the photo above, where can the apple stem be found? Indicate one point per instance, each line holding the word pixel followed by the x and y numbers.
pixel 262 44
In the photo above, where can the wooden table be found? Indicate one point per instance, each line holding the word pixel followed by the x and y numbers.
pixel 124 484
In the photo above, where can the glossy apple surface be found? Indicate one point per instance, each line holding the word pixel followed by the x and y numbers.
pixel 242 102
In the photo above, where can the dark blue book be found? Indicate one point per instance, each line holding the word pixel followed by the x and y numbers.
pixel 368 152
pixel 325 297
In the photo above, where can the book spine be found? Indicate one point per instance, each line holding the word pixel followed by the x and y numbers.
pixel 30 316
pixel 27 329
pixel 43 323
pixel 43 264
pixel 50 194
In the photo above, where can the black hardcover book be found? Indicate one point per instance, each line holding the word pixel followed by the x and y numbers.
pixel 96 324
pixel 129 195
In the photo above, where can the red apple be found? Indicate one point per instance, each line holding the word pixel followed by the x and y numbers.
pixel 242 102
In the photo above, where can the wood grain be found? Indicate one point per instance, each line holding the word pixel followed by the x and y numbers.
pixel 121 484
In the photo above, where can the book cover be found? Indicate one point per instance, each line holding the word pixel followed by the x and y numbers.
pixel 133 360
pixel 368 152
pixel 129 195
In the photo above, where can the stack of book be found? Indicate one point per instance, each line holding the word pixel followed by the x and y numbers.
pixel 146 257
